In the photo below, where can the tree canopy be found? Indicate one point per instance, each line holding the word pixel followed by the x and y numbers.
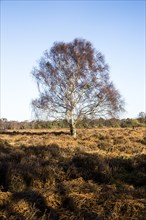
pixel 73 82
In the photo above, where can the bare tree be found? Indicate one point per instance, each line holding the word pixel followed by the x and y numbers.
pixel 73 82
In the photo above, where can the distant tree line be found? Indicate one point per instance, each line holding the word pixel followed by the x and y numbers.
pixel 140 121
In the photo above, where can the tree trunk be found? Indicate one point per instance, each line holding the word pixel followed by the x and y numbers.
pixel 73 129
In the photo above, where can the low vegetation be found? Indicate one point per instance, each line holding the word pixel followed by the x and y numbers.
pixel 84 123
pixel 47 174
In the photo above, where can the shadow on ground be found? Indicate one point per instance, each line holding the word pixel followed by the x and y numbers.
pixel 74 178
pixel 56 133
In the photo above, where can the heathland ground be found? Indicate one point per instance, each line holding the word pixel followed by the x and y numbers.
pixel 47 174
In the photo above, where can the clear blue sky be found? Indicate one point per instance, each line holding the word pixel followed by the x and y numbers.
pixel 116 28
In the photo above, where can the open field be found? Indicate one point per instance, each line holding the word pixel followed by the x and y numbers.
pixel 48 175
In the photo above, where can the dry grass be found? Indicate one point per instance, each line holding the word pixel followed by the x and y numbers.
pixel 101 175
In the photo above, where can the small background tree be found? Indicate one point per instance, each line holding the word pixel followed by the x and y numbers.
pixel 73 82
pixel 142 117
